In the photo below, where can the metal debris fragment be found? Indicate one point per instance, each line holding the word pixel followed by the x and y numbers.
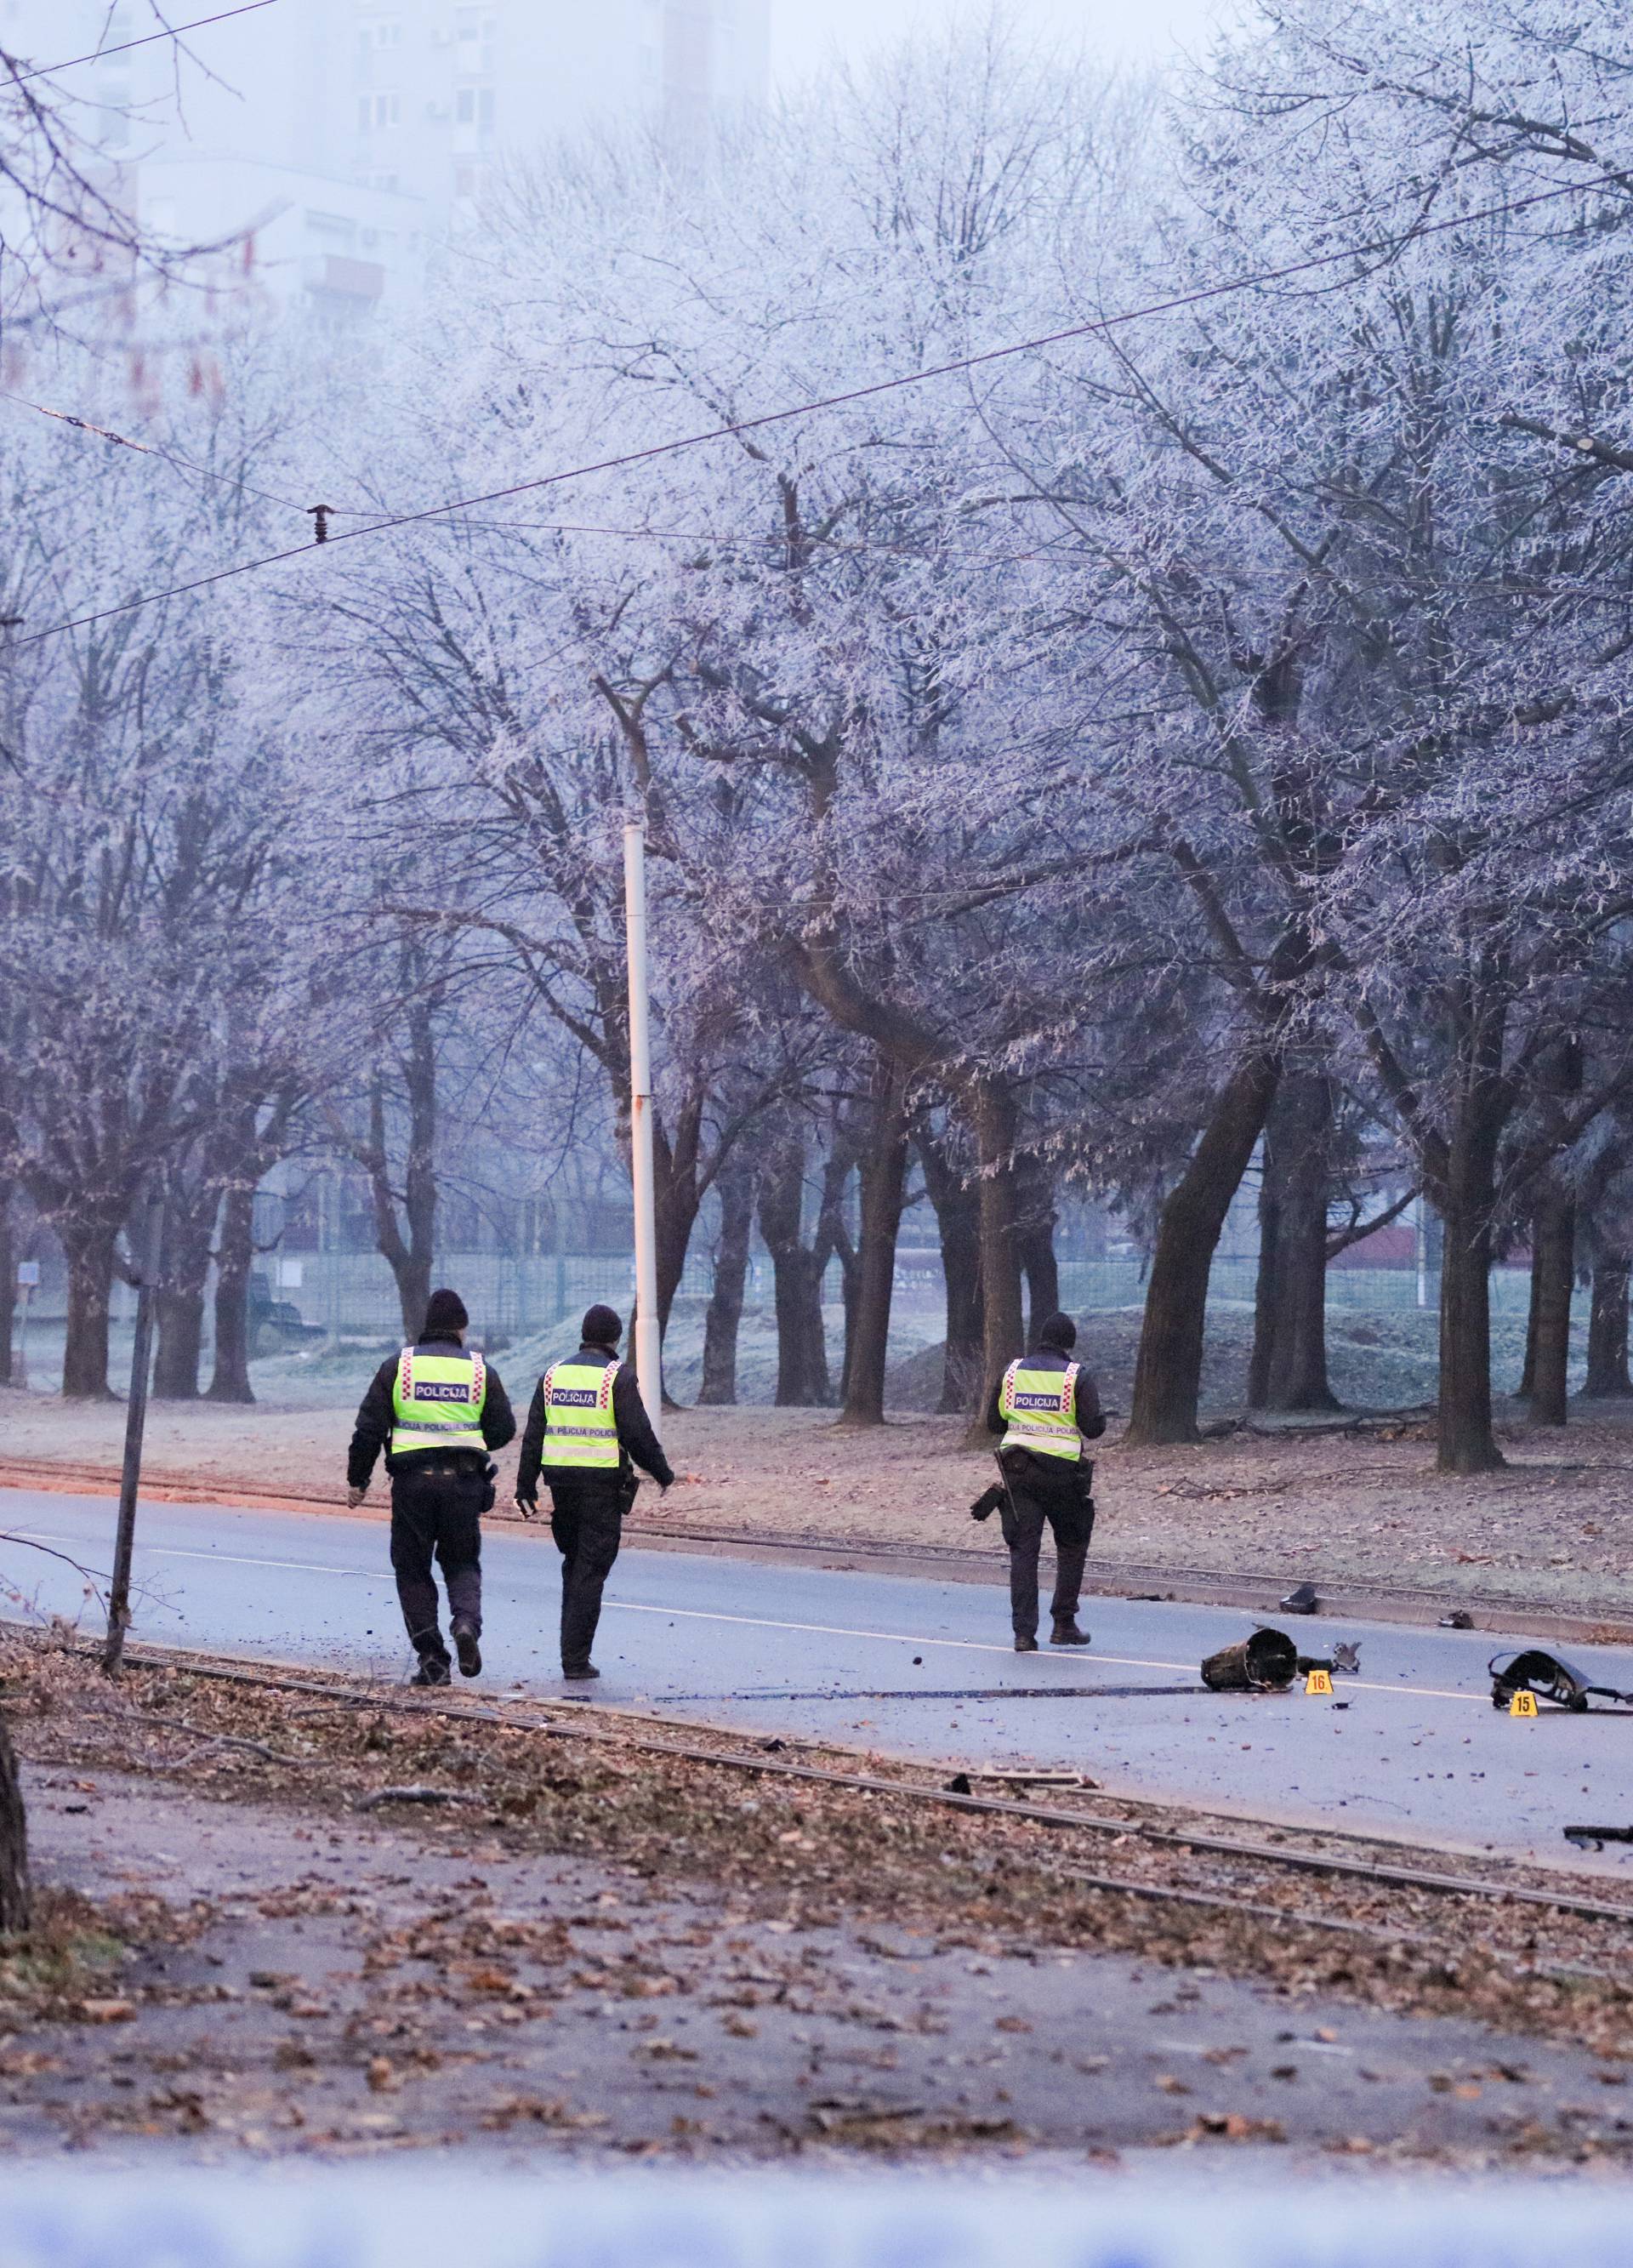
pixel 1550 1677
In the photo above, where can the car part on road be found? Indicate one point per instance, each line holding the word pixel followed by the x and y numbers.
pixel 1550 1677
pixel 1594 1838
pixel 1264 1662
pixel 1303 1601
pixel 1459 1618
pixel 1344 1658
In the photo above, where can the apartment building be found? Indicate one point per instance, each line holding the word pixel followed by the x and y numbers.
pixel 443 92
pixel 332 146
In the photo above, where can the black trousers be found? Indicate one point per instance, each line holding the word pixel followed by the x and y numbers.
pixel 435 1514
pixel 1036 1500
pixel 587 1523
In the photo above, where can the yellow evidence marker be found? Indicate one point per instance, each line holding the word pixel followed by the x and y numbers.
pixel 1523 1705
pixel 1320 1681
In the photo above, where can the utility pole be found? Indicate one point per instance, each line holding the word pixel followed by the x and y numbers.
pixel 648 1345
pixel 135 1419
pixel 28 1284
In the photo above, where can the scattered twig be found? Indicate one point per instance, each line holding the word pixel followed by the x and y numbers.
pixel 30 1544
pixel 414 1795
pixel 200 1732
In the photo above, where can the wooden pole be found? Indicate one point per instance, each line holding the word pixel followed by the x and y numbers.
pixel 135 1421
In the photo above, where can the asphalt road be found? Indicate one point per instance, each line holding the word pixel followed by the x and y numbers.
pixel 906 1665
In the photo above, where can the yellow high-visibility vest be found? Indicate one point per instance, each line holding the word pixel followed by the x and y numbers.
pixel 1040 1407
pixel 581 1433
pixel 437 1401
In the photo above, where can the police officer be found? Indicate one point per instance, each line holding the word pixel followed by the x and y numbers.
pixel 1046 1407
pixel 437 1409
pixel 586 1424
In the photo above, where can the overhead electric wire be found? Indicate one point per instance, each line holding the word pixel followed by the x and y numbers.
pixel 1200 297
pixel 147 40
pixel 515 526
pixel 166 456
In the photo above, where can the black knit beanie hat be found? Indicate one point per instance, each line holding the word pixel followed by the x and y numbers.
pixel 443 1315
pixel 1059 1333
pixel 602 1327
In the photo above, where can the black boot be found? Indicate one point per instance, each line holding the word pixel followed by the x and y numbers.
pixel 466 1648
pixel 579 1669
pixel 433 1671
pixel 1066 1632
pixel 1024 1644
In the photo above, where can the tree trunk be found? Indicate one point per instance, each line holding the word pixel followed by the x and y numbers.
pixel 236 1258
pixel 801 1345
pixel 1553 1277
pixel 14 1905
pixel 1607 1378
pixel 8 1282
pixel 884 1176
pixel 90 1252
pixel 726 1301
pixel 832 1241
pixel 409 1245
pixel 1466 1203
pixel 1527 1384
pixel 1288 1368
pixel 179 1303
pixel 992 1114
pixel 1167 1370
pixel 1267 1291
pixel 957 1224
pixel 1035 1242
pixel 675 1218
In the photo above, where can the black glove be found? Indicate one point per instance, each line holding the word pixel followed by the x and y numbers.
pixel 987 1502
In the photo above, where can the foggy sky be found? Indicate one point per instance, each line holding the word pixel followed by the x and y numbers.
pixel 804 33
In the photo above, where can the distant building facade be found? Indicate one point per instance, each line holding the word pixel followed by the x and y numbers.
pixel 443 91
pixel 329 147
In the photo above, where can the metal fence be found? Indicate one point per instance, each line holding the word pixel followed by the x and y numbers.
pixel 353 1294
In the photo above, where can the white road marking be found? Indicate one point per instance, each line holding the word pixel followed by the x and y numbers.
pixel 221 1558
pixel 985 1646
pixel 762 1621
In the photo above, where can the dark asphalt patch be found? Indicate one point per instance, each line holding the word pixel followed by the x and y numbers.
pixel 956 1693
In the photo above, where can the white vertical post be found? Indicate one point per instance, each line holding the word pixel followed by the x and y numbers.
pixel 1421 1227
pixel 648 1346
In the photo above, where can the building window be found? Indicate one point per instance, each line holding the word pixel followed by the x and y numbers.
pixel 474 106
pixel 377 110
pixel 478 23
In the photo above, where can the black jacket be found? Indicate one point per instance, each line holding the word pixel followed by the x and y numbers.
pixel 636 1437
pixel 375 1418
pixel 1086 1404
